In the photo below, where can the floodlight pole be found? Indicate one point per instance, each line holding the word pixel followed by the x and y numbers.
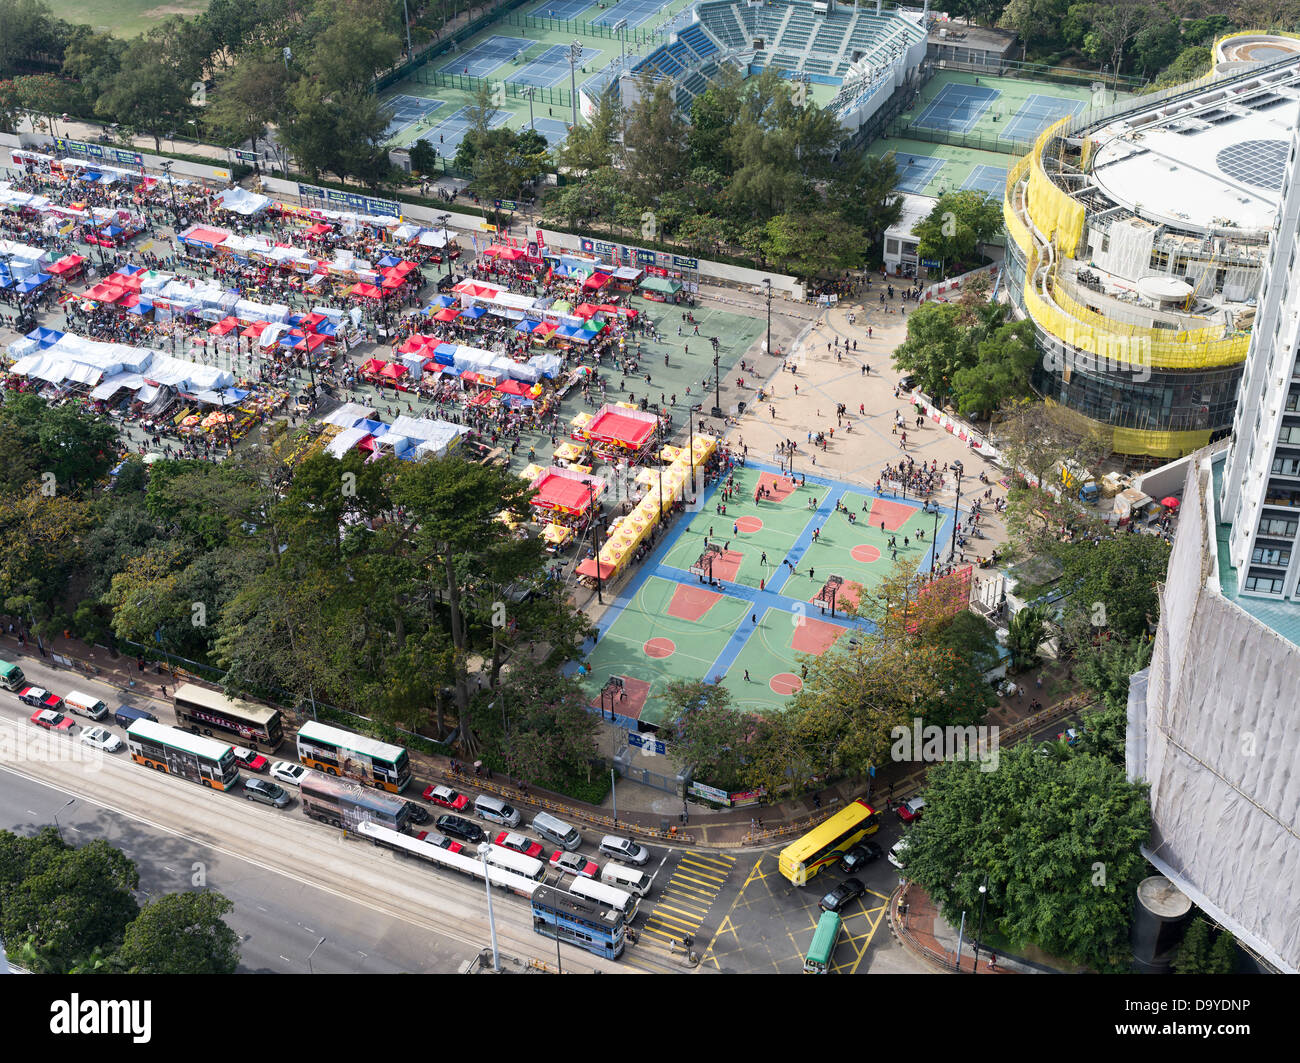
pixel 575 54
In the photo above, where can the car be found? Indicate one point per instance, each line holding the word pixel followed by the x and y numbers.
pixel 898 854
pixel 848 890
pixel 446 797
pixel 509 840
pixel 860 856
pixel 40 698
pixel 910 810
pixel 1070 736
pixel 440 840
pixel 288 771
pixel 246 758
pixel 624 849
pixel 459 828
pixel 417 813
pixel 266 791
pixel 51 720
pixel 101 738
pixel 574 864
pixel 905 382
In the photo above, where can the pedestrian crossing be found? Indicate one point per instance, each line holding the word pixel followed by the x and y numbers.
pixel 686 896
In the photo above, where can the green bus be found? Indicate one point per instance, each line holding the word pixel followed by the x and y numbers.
pixel 11 676
pixel 823 945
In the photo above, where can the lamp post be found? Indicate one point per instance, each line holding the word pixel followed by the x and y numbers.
pixel 310 969
pixel 532 91
pixel 690 417
pixel 56 815
pixel 717 386
pixel 406 19
pixel 575 54
pixel 934 541
pixel 166 168
pixel 956 518
pixel 492 924
pixel 595 534
pixel 767 284
pixel 446 241
pixel 984 896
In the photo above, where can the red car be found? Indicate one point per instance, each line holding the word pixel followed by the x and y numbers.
pixel 440 840
pixel 40 698
pixel 51 720
pixel 447 797
pixel 246 758
pixel 508 840
pixel 574 864
pixel 910 811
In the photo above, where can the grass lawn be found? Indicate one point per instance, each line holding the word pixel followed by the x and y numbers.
pixel 123 18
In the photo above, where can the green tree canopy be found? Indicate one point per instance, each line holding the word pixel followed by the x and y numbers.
pixel 182 933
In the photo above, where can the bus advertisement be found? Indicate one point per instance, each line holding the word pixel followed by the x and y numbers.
pixel 824 844
pixel 346 805
pixel 178 752
pixel 258 726
pixel 368 761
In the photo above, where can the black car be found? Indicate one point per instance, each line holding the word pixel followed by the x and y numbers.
pixel 418 813
pixel 860 856
pixel 459 828
pixel 846 891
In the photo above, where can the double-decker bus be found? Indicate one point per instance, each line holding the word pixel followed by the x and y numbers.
pixel 257 726
pixel 445 858
pixel 345 804
pixel 822 948
pixel 178 752
pixel 366 760
pixel 578 921
pixel 823 845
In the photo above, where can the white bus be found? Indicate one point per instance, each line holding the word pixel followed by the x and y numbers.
pixel 500 856
pixel 440 857
pixel 620 900
pixel 359 757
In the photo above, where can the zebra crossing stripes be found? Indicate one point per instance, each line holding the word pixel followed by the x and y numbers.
pixel 686 896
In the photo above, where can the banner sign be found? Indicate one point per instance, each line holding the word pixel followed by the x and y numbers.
pixel 709 793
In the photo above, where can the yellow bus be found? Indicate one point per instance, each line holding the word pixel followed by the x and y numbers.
pixel 823 845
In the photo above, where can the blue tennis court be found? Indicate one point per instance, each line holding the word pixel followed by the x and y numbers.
pixel 486 56
pixel 406 111
pixel 551 67
pixel 916 171
pixel 560 8
pixel 637 12
pixel 555 131
pixel 1036 114
pixel 957 108
pixel 452 129
pixel 991 179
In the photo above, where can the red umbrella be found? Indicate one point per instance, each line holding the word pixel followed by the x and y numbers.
pixel 1170 503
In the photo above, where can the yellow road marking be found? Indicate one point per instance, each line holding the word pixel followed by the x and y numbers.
pixel 698 916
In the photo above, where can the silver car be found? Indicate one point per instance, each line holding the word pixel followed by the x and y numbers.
pixel 266 791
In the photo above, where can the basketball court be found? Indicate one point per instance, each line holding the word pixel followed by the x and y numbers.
pixel 751 590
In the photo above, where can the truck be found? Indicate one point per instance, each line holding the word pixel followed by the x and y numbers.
pixel 1078 481
pixel 11 677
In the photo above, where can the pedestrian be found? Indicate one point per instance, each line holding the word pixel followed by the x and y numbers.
pixel 747 675
pixel 753 618
pixel 993 961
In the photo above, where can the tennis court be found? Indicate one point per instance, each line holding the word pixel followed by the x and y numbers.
pixel 551 67
pixel 957 108
pixel 406 111
pixel 990 179
pixel 452 129
pixel 916 171
pixel 560 9
pixel 1037 113
pixel 486 56
pixel 555 131
pixel 637 12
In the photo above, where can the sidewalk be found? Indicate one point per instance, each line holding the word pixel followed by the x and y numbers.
pixel 915 920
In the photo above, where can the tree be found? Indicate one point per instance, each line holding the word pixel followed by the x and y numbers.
pixel 351 48
pixel 424 158
pixel 959 222
pixel 1116 580
pixel 1196 954
pixel 1105 732
pixel 1112 26
pixel 1026 632
pixel 182 933
pixel 1059 846
pixel 27 28
pixel 866 196
pixel 591 146
pixel 147 94
pixel 937 347
pixel 812 244
pixel 1035 20
pixel 248 97
pixel 710 733
pixel 1005 366
pixel 654 156
pixel 1191 64
pixel 1036 437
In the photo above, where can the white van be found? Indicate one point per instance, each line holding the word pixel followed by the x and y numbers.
pixel 898 854
pixel 626 878
pixel 557 831
pixel 85 705
pixel 624 849
pixel 494 810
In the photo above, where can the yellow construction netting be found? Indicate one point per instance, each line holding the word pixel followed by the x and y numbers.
pixel 1016 229
pixel 1159 444
pixel 1054 214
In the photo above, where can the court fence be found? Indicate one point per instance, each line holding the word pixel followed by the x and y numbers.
pixel 442 47
pixel 515 90
pixel 586 29
pixel 903 129
pixel 1010 68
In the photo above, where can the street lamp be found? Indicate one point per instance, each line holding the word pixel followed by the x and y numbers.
pixel 55 817
pixel 690 417
pixel 166 167
pixel 446 241
pixel 956 519
pixel 575 56
pixel 532 91
pixel 767 284
pixel 717 387
pixel 595 535
pixel 310 969
pixel 984 896
pixel 483 850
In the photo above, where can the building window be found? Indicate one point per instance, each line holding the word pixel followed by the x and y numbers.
pixel 891 247
pixel 1270 555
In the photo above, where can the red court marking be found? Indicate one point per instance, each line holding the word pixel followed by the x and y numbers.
pixel 850 593
pixel 659 647
pixel 779 487
pixel 726 565
pixel 748 525
pixel 785 683
pixel 691 603
pixel 865 553
pixel 894 514
pixel 815 636
pixel 635 694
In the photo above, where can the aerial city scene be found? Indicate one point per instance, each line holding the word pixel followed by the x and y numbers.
pixel 625 487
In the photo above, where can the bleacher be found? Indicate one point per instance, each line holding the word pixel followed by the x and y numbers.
pixel 697 41
pixel 723 22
